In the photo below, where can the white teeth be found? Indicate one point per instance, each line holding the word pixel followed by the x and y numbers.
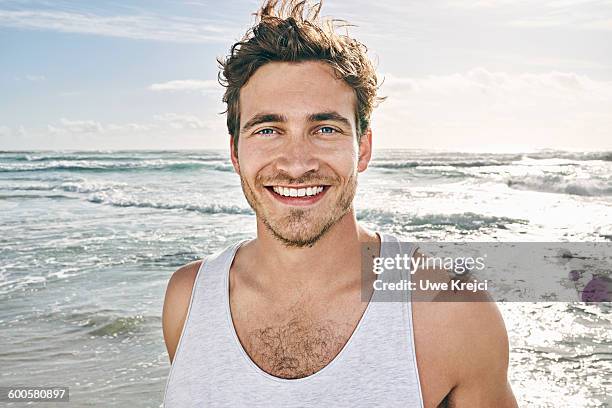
pixel 297 192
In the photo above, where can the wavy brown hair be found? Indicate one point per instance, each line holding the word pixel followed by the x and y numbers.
pixel 293 31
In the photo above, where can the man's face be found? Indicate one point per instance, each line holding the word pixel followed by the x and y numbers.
pixel 298 154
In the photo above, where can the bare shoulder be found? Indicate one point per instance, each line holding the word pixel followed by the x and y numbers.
pixel 462 346
pixel 176 304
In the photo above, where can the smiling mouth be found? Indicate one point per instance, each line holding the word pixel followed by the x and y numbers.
pixel 302 195
pixel 298 192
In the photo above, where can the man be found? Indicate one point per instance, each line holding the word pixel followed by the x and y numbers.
pixel 278 321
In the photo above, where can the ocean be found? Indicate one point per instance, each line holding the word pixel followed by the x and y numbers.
pixel 88 241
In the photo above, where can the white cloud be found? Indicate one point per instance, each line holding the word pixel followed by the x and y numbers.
pixel 75 127
pixel 182 121
pixel 163 123
pixel 540 62
pixel 83 127
pixel 187 85
pixel 485 81
pixel 137 26
pixel 480 107
pixel 550 4
pixel 575 22
pixel 164 131
pixel 130 127
pixel 573 14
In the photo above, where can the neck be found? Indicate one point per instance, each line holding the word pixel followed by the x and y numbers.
pixel 333 261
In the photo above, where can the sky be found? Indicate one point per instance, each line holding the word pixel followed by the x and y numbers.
pixel 482 75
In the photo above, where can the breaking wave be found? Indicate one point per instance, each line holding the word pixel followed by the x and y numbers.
pixel 97 166
pixel 462 221
pixel 201 208
pixel 561 185
pixel 580 156
pixel 428 163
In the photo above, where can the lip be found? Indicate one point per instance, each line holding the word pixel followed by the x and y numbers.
pixel 297 201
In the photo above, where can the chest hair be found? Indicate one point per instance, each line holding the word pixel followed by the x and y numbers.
pixel 298 348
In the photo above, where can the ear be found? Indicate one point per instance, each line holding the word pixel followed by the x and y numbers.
pixel 234 155
pixel 365 150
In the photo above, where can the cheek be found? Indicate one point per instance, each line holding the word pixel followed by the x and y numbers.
pixel 344 160
pixel 344 168
pixel 249 159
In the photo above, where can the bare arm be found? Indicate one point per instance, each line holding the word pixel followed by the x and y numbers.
pixel 481 358
pixel 462 346
pixel 176 304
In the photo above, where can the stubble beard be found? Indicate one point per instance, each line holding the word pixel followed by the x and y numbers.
pixel 301 227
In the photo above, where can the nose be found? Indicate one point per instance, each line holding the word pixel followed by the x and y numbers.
pixel 297 157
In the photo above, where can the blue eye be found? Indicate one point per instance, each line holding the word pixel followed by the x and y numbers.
pixel 327 130
pixel 266 131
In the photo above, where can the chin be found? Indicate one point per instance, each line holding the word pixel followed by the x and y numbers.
pixel 298 241
pixel 299 233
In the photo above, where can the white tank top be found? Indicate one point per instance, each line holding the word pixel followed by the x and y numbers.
pixel 376 367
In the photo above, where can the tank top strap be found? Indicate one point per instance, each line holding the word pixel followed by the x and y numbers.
pixel 392 247
pixel 390 323
pixel 206 316
pixel 211 278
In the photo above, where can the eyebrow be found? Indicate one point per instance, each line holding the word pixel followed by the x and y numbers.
pixel 313 117
pixel 263 118
pixel 323 116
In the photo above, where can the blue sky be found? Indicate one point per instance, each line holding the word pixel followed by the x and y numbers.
pixel 469 75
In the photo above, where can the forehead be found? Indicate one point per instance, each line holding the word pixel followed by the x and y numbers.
pixel 295 90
